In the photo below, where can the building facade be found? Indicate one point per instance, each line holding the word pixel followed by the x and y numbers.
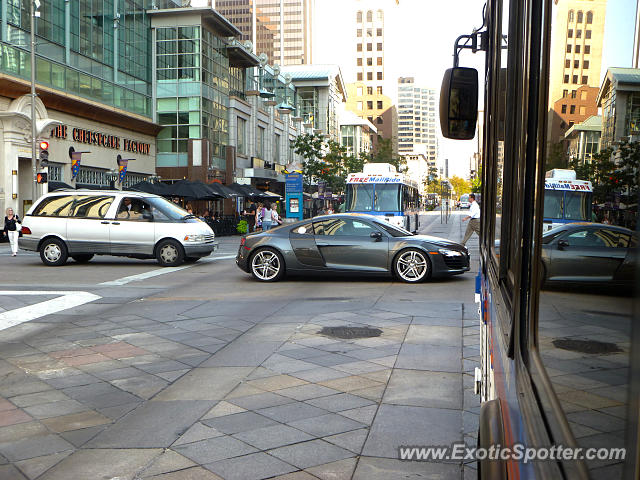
pixel 619 99
pixel 320 91
pixel 282 30
pixel 94 87
pixel 583 139
pixel 578 34
pixel 417 119
pixel 378 109
pixel 356 133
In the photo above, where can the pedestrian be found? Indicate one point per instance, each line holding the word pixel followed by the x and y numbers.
pixel 251 217
pixel 266 217
pixel 12 227
pixel 258 216
pixel 330 210
pixel 275 218
pixel 474 219
pixel 189 209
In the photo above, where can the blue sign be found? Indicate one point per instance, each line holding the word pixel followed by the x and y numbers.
pixel 293 183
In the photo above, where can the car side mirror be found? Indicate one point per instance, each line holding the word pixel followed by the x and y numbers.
pixel 562 244
pixel 459 103
pixel 377 236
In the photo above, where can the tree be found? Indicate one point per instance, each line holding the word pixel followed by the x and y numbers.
pixel 476 182
pixel 432 183
pixel 384 153
pixel 460 185
pixel 310 146
pixel 557 156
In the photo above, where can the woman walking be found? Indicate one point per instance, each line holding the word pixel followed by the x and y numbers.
pixel 266 217
pixel 275 218
pixel 12 227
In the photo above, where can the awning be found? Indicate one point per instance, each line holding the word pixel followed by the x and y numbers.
pixel 53 186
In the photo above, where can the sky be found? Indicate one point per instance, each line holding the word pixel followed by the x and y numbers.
pixel 419 38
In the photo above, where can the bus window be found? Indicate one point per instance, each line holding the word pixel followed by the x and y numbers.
pixel 553 204
pixel 359 198
pixel 387 198
pixel 576 206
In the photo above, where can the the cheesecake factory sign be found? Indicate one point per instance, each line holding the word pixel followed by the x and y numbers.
pixel 102 140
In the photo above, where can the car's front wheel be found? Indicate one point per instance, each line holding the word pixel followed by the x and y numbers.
pixel 267 265
pixel 169 253
pixel 411 266
pixel 53 252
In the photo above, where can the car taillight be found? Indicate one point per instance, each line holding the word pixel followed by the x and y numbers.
pixel 26 231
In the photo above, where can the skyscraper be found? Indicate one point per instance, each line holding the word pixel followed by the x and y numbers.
pixel 367 97
pixel 578 33
pixel 280 29
pixel 416 119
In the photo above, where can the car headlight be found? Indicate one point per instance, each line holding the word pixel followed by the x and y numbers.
pixel 450 253
pixel 194 238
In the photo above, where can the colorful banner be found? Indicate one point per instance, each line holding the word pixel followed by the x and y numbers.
pixel 76 157
pixel 122 168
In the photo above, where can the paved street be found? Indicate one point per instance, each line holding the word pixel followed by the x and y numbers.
pixel 122 369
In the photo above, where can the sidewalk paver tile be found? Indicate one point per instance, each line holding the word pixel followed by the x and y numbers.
pixel 261 400
pixel 353 441
pixel 424 389
pixel 256 466
pixel 75 421
pixel 167 461
pixel 430 357
pixel 323 425
pixel 34 447
pixel 197 432
pixel 340 470
pixel 273 436
pixel 102 463
pixel 47 410
pixel 291 412
pixel 9 472
pixel 306 392
pixel 385 468
pixel 154 424
pixel 276 382
pixel 239 422
pixel 193 473
pixel 34 467
pixel 214 449
pixel 210 383
pixel 309 454
pixel 13 416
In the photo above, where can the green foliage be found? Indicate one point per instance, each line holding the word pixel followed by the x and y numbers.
pixel 612 171
pixel 243 227
pixel 432 184
pixel 476 182
pixel 327 160
pixel 556 157
pixel 460 185
pixel 384 153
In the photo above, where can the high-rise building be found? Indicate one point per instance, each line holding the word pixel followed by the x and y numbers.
pixel 280 29
pixel 369 98
pixel 417 119
pixel 578 33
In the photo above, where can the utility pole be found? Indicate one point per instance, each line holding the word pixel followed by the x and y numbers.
pixel 34 167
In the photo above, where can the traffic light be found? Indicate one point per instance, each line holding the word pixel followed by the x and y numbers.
pixel 42 177
pixel 44 154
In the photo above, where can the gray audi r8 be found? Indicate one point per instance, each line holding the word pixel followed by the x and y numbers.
pixel 349 242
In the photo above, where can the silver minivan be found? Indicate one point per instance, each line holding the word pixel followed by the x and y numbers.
pixel 83 223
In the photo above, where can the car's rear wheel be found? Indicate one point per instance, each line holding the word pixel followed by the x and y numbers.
pixel 267 265
pixel 82 258
pixel 412 266
pixel 169 253
pixel 53 252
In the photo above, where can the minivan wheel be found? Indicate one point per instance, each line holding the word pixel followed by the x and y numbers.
pixel 411 265
pixel 53 252
pixel 267 265
pixel 84 258
pixel 169 253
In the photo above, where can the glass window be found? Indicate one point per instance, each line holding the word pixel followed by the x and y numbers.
pixel 589 17
pixel 343 227
pixel 553 204
pixel 585 238
pixel 242 132
pixel 580 16
pixel 387 198
pixel 393 230
pixel 359 198
pixel 136 209
pixel 58 206
pixel 306 229
pixel 91 206
pixel 576 206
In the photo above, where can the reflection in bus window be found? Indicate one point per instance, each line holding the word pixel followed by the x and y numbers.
pixel 553 204
pixel 387 198
pixel 359 198
pixel 576 206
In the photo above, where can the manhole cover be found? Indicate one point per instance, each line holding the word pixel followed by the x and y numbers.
pixel 350 332
pixel 586 346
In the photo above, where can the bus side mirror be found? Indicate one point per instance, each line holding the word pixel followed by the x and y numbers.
pixel 459 103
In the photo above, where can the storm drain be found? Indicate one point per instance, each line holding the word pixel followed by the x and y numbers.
pixel 586 346
pixel 350 332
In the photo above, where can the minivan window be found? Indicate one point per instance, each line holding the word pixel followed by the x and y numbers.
pixel 169 209
pixel 91 206
pixel 56 206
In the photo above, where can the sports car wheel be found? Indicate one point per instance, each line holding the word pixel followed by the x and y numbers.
pixel 411 266
pixel 267 265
